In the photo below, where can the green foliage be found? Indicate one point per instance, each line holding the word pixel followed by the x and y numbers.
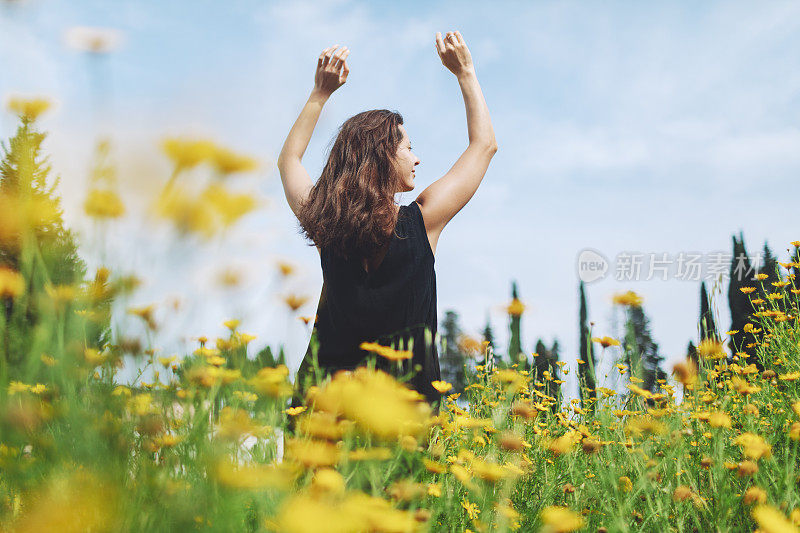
pixel 46 254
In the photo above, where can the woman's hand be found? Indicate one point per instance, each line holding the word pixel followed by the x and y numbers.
pixel 454 53
pixel 332 70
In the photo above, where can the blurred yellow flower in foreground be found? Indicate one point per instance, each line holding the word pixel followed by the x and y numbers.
pixel 771 520
pixel 28 108
pixel 229 162
pixel 354 512
pixel 255 476
pixel 18 215
pixel 387 352
pixel 312 453
pixel 12 284
pixel 272 381
pixel 753 446
pixel 187 153
pixel 74 502
pixel 561 519
pixel 229 206
pixel 102 203
pixel 376 402
pixel 685 372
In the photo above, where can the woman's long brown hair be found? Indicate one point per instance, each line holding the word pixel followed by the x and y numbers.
pixel 350 209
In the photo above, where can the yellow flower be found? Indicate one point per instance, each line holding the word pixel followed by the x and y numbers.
pixel 167 361
pixel 102 203
pixel 72 502
pixel 625 484
pixel 187 214
pixel 255 476
pixel 685 372
pixel 229 206
pixel 747 290
pixel 471 509
pixel 441 386
pixel 312 453
pixel 385 351
pixel 754 495
pixel 719 419
pixel 229 162
pixel 322 425
pixel 28 108
pixel 294 411
pixel 295 302
pixel 743 386
pixel 142 404
pixel 605 342
pixel 16 387
pixel 328 481
pixel 434 489
pixel 188 153
pixel 237 423
pixel 628 299
pixel 12 284
pixel 515 308
pixel 771 520
pixel 711 349
pixel 376 402
pixel 246 396
pixel 561 519
pixel 753 446
pixel 272 381
pixel 791 376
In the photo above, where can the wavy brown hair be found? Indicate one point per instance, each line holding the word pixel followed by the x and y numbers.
pixel 350 209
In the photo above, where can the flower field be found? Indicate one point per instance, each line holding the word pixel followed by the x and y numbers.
pixel 212 444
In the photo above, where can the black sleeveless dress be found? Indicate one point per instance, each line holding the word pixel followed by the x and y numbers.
pixel 393 305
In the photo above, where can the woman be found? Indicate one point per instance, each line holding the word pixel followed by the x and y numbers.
pixel 377 256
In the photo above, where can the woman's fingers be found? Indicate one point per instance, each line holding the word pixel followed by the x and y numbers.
pixel 338 57
pixel 345 72
pixel 439 42
pixel 328 53
pixel 460 39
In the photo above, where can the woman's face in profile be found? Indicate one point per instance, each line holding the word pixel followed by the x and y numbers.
pixel 405 161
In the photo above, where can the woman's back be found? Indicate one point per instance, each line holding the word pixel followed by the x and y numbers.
pixel 394 303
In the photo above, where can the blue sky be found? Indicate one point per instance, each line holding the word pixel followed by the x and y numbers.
pixel 658 127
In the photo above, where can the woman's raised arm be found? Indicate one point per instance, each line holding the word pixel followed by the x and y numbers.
pixel 331 74
pixel 445 197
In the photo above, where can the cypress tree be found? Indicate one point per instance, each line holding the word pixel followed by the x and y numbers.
pixel 707 324
pixel 515 309
pixel 488 336
pixel 555 388
pixel 742 275
pixel 641 352
pixel 545 361
pixel 452 360
pixel 586 371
